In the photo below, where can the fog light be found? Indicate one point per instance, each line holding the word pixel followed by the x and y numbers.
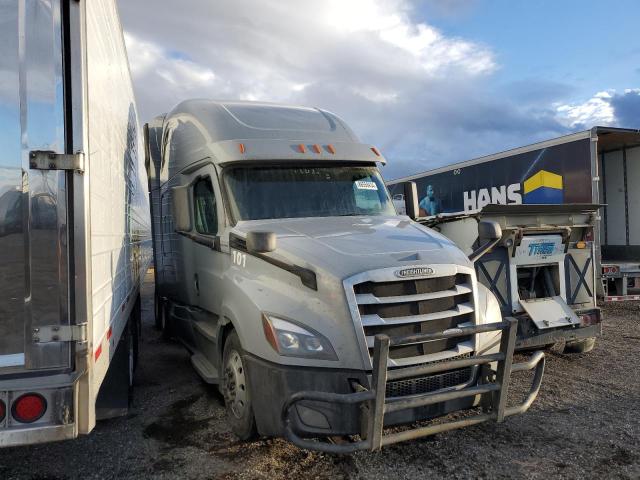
pixel 29 407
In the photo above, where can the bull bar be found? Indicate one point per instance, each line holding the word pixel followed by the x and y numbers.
pixel 375 404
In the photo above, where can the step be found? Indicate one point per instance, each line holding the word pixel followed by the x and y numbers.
pixel 207 330
pixel 205 369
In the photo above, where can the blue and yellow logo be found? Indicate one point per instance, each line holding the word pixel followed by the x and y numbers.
pixel 543 187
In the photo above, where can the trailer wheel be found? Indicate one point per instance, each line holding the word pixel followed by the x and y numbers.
pixel 165 321
pixel 580 346
pixel 235 388
pixel 132 354
pixel 157 311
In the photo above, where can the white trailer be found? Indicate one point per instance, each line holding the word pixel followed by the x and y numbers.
pixel 74 219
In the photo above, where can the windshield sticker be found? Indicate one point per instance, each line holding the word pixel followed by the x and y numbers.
pixel 366 185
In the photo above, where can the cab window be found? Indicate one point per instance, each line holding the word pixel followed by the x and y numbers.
pixel 204 206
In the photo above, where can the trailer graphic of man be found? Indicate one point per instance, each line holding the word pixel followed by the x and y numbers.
pixel 429 205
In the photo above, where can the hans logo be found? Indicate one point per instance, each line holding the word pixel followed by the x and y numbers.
pixel 414 272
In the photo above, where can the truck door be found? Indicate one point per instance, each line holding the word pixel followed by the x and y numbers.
pixel 210 262
pixel 34 291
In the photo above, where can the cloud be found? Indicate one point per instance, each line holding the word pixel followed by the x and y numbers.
pixel 606 108
pixel 627 108
pixel 425 98
pixel 595 111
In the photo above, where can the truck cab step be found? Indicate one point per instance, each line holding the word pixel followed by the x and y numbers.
pixel 205 369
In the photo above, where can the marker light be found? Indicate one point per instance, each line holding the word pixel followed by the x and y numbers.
pixel 29 407
pixel 302 148
pixel 316 148
pixel 331 149
pixel 241 147
pixel 375 150
pixel 581 244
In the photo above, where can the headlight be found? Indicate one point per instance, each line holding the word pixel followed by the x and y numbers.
pixel 292 340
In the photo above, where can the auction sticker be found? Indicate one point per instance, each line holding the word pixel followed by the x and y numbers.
pixel 366 185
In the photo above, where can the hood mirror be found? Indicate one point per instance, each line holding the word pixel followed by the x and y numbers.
pixel 261 242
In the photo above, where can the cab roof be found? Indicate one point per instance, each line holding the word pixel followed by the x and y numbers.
pixel 230 131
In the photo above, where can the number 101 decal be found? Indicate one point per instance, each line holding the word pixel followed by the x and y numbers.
pixel 239 258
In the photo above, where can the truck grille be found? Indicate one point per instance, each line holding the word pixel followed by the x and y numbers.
pixel 406 307
pixel 430 383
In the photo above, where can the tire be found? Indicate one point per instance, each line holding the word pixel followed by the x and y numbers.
pixel 157 312
pixel 235 388
pixel 165 321
pixel 132 352
pixel 580 346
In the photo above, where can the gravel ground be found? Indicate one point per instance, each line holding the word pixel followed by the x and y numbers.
pixel 584 424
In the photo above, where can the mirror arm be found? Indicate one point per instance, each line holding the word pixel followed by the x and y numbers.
pixel 479 252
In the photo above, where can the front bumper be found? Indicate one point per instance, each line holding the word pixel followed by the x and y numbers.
pixel 319 404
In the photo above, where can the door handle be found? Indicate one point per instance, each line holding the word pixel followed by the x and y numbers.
pixel 196 285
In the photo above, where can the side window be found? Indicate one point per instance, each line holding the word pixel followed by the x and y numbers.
pixel 204 207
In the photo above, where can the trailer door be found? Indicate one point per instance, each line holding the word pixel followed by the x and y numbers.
pixel 34 298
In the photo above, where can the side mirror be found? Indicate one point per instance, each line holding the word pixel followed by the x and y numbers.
pixel 261 242
pixel 181 208
pixel 489 234
pixel 411 200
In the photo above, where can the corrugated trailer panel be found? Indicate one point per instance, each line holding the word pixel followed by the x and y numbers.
pixel 615 233
pixel 633 183
pixel 120 230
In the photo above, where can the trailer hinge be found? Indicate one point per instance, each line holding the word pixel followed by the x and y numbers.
pixel 48 160
pixel 60 333
pixel 596 179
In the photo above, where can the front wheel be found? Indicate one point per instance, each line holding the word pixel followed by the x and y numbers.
pixel 580 346
pixel 235 388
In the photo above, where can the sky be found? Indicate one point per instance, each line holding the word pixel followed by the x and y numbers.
pixel 429 82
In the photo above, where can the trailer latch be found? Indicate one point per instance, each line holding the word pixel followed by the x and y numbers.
pixel 60 333
pixel 48 160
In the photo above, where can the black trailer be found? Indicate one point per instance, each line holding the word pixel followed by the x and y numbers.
pixel 600 165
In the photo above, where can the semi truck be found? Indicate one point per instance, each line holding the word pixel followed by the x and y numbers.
pixel 284 269
pixel 75 237
pixel 596 166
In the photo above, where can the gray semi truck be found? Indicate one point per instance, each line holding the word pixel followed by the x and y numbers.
pixel 283 267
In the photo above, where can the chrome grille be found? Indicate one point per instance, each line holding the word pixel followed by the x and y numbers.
pixel 405 307
pixel 431 383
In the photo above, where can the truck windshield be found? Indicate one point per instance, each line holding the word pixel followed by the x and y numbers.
pixel 258 193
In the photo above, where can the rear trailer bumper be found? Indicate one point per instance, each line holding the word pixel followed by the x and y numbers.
pixel 306 405
pixel 37 434
pixel 50 416
pixel 529 336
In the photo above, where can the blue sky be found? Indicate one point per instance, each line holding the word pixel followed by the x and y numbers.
pixel 582 46
pixel 429 82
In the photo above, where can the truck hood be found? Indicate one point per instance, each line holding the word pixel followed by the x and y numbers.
pixel 344 246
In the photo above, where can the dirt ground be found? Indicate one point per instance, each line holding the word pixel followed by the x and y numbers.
pixel 584 424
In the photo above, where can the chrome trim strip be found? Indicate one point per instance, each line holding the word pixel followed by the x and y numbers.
pixel 376 320
pixel 371 299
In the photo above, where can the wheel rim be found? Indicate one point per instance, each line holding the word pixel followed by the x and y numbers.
pixel 236 394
